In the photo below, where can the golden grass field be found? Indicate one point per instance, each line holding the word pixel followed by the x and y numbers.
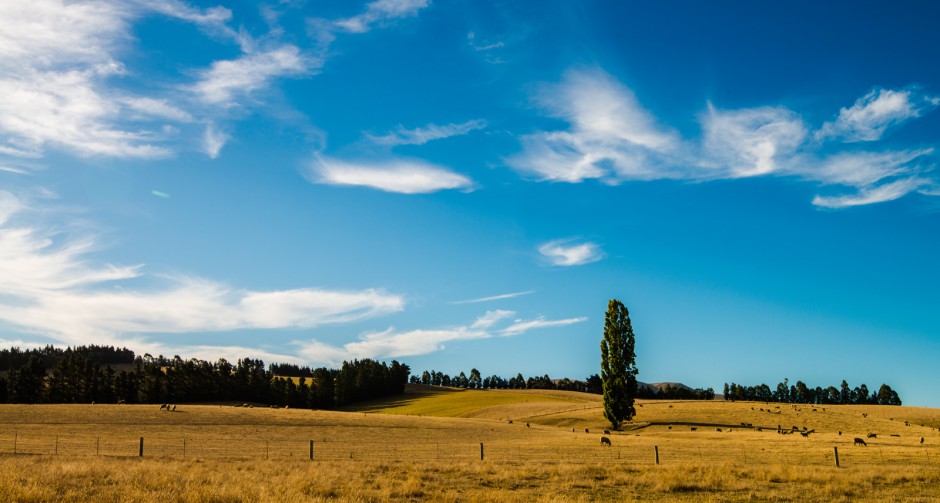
pixel 425 445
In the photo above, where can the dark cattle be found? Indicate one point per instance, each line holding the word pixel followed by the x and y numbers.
pixel 174 408
pixel 921 439
pixel 527 425
pixel 587 430
pixel 164 406
pixel 872 435
pixel 606 432
pixel 895 435
pixel 510 421
pixel 859 441
pixel 840 432
pixel 605 441
pixel 694 428
pixel 760 429
pixel 718 429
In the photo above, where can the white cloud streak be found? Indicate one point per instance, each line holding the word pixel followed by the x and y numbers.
pixel 403 176
pixel 379 13
pixel 566 253
pixel 57 62
pixel 420 136
pixel 50 286
pixel 494 297
pixel 391 343
pixel 873 114
pixel 521 327
pixel 213 140
pixel 227 80
pixel 613 139
pixel 611 136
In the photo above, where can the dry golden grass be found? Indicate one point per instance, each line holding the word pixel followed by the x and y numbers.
pixel 213 453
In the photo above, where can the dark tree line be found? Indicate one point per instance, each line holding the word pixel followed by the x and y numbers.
pixel 475 381
pixel 669 392
pixel 801 393
pixel 591 384
pixel 85 375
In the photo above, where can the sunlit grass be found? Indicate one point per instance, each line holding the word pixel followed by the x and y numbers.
pixel 224 453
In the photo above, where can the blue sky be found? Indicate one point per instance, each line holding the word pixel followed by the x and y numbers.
pixel 466 184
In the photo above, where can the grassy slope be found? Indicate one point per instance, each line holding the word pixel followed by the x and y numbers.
pixel 425 445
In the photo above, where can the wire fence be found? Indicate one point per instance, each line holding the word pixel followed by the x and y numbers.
pixel 575 451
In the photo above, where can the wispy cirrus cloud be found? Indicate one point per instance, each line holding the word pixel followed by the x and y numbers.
pixel 55 58
pixel 422 135
pixel 227 80
pixel 611 136
pixel 494 297
pixel 873 114
pixel 521 326
pixel 567 252
pixel 613 139
pixel 392 343
pixel 213 140
pixel 403 176
pixel 749 142
pixel 380 12
pixel 52 286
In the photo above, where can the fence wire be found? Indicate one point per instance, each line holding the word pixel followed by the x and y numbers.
pixel 578 450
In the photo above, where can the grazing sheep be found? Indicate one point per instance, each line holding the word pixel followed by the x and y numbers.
pixel 606 432
pixel 605 441
pixel 872 435
pixel 859 441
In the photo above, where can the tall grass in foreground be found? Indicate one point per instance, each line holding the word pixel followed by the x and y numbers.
pixel 33 478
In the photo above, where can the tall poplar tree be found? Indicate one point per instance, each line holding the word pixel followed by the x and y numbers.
pixel 618 364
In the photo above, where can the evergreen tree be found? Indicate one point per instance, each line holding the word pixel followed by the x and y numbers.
pixel 618 365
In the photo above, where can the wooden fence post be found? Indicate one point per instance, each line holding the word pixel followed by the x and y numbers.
pixel 656 450
pixel 481 451
pixel 140 453
pixel 97 446
pixel 311 450
pixel 835 450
